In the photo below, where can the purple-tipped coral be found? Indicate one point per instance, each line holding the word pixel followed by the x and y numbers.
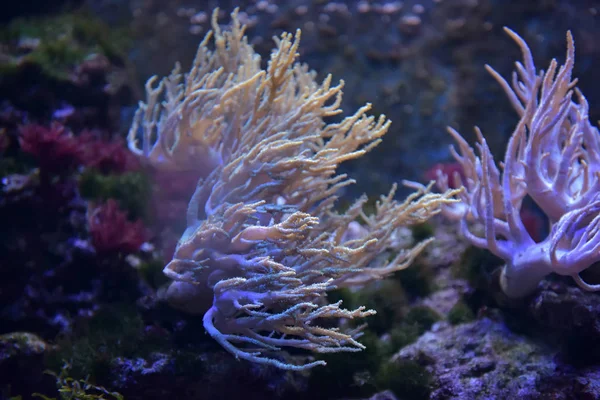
pixel 553 157
pixel 263 243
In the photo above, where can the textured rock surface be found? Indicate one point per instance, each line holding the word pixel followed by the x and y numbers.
pixel 485 360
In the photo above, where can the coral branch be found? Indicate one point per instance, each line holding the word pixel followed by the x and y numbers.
pixel 262 238
pixel 553 156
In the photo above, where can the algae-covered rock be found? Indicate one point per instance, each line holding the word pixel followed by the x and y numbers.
pixel 72 67
pixel 21 362
pixel 21 344
pixel 59 44
pixel 483 359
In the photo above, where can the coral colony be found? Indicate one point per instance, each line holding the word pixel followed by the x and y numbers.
pixel 263 243
pixel 553 157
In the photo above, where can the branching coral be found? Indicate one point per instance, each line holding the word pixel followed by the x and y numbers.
pixel 262 238
pixel 553 156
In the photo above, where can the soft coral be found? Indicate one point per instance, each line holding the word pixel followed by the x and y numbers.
pixel 106 156
pixel 55 148
pixel 112 232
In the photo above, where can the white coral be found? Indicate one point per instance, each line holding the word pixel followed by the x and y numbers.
pixel 553 156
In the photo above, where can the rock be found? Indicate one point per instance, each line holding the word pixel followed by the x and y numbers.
pixel 483 359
